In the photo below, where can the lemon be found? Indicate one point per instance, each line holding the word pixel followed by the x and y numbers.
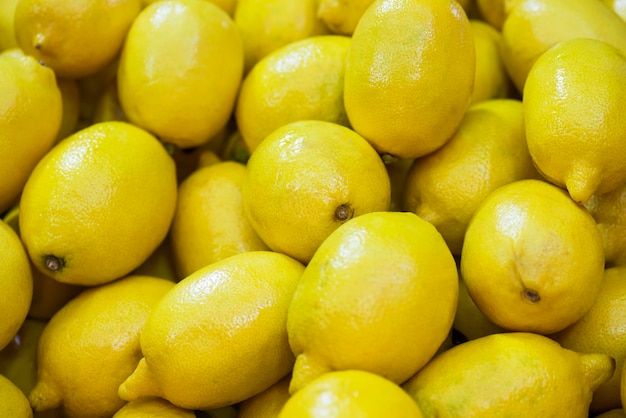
pixel 401 91
pixel 7 31
pixel 159 264
pixel 266 25
pixel 509 375
pixel 530 30
pixel 268 403
pixel 180 69
pixel 107 107
pixel 75 38
pixel 491 79
pixel 351 393
pixel 30 117
pixel 342 16
pixel 14 403
pixel 618 6
pixel 152 407
pixel 219 336
pixel 613 413
pixel 532 259
pixel 469 320
pixel 494 12
pixel 305 179
pixel 210 224
pixel 98 204
pixel 378 295
pixel 16 288
pixel 603 330
pixel 91 345
pixel 17 360
pixel 227 5
pixel 299 81
pixel 70 97
pixel 487 151
pixel 573 106
pixel 608 211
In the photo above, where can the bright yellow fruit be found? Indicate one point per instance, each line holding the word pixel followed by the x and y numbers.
pixel 378 295
pixel 227 5
pixel 91 345
pixel 219 336
pixel 75 38
pixel 7 31
pixel 613 413
pixel 398 169
pixel 266 25
pixel 98 204
pixel 16 287
pixel 30 117
pixel 532 258
pixel 152 408
pixel 351 393
pixel 70 96
pixel 618 6
pixel 573 112
pixel 409 75
pixel 491 80
pixel 530 29
pixel 268 403
pixel 180 69
pixel 342 16
pixel 509 375
pixel 603 330
pixel 14 404
pixel 210 224
pixel 307 178
pixel 609 211
pixel 299 81
pixel 487 151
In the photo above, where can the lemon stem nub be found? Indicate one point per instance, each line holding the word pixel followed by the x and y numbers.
pixel 53 263
pixel 343 212
pixel 532 295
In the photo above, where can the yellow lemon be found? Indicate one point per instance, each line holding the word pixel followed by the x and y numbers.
pixel 609 211
pixel 307 178
pixel 30 117
pixel 603 330
pixel 268 403
pixel 91 345
pixel 107 107
pixel 613 413
pixel 17 360
pixel 300 81
pixel 7 31
pixel 573 106
pixel 227 5
pixel 530 30
pixel 70 97
pixel 74 37
pixel 398 170
pixel 378 295
pixel 494 12
pixel 402 93
pixel 210 224
pixel 491 79
pixel 14 404
pixel 91 89
pixel 219 336
pixel 618 6
pixel 16 288
pixel 180 69
pixel 487 151
pixel 151 408
pixel 98 204
pixel 266 25
pixel 532 259
pixel 351 393
pixel 509 375
pixel 342 16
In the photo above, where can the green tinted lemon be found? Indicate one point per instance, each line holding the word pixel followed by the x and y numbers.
pixel 401 91
pixel 299 81
pixel 181 90
pixel 573 106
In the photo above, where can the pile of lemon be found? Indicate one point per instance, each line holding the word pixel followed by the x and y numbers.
pixel 312 208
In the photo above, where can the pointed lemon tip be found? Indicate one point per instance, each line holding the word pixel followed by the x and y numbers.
pixel 582 182
pixel 44 396
pixel 305 370
pixel 597 368
pixel 140 383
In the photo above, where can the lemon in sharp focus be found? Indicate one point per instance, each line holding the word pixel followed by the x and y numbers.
pixel 378 295
pixel 307 178
pixel 409 75
pixel 573 106
pixel 532 258
pixel 98 204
